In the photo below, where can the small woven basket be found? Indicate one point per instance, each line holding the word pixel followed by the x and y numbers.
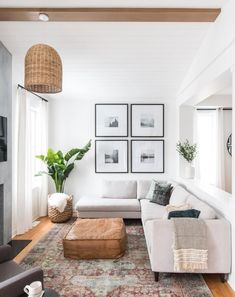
pixel 60 217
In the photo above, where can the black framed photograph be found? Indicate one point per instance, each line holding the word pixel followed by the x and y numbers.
pixel 147 156
pixel 111 156
pixel 147 120
pixel 111 120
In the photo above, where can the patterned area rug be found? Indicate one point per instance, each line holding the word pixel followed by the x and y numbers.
pixel 126 277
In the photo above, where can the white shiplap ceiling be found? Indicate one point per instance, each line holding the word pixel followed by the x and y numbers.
pixel 112 60
pixel 113 3
pixel 121 60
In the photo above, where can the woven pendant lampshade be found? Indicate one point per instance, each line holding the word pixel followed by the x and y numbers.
pixel 43 70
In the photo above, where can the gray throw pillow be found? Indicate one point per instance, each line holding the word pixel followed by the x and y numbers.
pixel 189 213
pixel 161 194
pixel 153 186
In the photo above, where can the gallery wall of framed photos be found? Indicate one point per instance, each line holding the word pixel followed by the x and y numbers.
pixel 146 149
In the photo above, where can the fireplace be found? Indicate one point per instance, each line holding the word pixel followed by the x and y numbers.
pixel 1 213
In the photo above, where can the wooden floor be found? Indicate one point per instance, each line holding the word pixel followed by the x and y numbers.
pixel 217 288
pixel 35 234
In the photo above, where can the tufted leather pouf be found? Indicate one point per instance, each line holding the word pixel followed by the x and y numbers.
pixel 96 239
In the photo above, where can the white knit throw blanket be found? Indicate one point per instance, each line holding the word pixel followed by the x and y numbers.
pixel 58 201
pixel 190 245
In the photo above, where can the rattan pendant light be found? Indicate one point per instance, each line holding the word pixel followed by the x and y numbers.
pixel 43 69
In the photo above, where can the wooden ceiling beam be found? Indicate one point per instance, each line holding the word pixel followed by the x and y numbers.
pixel 111 14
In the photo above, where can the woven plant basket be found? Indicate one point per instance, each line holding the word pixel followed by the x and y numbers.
pixel 60 217
pixel 43 70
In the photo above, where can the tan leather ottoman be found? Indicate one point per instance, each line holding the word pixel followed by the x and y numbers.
pixel 96 239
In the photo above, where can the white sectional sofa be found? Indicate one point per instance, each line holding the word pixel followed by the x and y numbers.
pixel 117 200
pixel 127 199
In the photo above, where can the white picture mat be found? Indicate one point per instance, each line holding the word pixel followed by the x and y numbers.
pixel 139 147
pixel 103 147
pixel 106 111
pixel 140 111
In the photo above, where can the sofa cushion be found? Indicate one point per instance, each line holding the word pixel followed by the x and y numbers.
pixel 179 195
pixel 143 188
pixel 161 194
pixel 183 206
pixel 189 213
pixel 90 204
pixel 119 189
pixel 9 269
pixel 169 208
pixel 207 212
pixel 151 211
pixel 153 186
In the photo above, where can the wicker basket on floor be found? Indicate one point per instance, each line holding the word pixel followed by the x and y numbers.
pixel 60 217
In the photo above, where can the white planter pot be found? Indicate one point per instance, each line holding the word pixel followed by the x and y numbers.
pixel 189 172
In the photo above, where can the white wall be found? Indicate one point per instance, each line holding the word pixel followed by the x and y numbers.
pixel 72 124
pixel 217 101
pixel 214 58
pixel 209 73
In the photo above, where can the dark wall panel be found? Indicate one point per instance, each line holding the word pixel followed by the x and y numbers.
pixel 6 167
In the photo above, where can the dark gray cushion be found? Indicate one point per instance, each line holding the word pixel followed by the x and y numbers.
pixel 161 194
pixel 13 278
pixel 5 253
pixel 9 269
pixel 14 286
pixel 189 213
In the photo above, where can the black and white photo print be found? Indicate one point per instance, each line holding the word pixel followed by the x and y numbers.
pixel 147 156
pixel 111 156
pixel 111 120
pixel 147 120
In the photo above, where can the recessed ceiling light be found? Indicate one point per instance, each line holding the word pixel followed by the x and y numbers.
pixel 43 17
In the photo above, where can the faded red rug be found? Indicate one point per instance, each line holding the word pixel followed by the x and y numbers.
pixel 126 277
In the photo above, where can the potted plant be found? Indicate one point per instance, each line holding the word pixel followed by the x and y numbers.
pixel 59 167
pixel 188 152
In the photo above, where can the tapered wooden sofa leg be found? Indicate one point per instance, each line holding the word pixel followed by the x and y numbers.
pixel 156 276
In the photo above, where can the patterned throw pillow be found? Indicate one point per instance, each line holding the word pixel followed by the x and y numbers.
pixel 153 186
pixel 161 194
pixel 190 213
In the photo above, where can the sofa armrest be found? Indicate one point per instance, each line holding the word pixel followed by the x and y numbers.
pixel 14 286
pixel 5 253
pixel 159 236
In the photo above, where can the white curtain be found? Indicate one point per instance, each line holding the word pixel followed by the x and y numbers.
pixel 210 141
pixel 30 137
pixel 220 170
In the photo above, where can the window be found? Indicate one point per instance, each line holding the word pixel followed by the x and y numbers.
pixel 207 146
pixel 35 139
